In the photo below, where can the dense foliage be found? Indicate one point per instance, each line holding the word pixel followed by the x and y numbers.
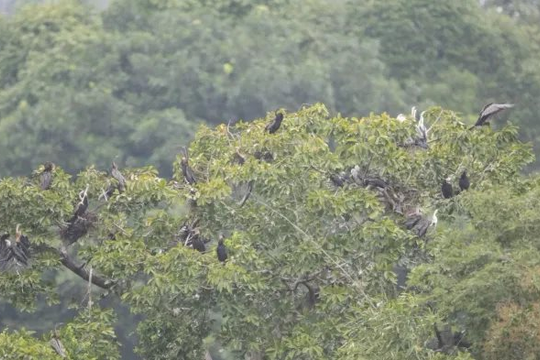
pixel 311 269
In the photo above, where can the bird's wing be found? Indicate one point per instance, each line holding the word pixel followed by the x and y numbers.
pixel 495 108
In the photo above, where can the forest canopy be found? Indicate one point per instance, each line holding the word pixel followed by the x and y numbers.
pixel 338 244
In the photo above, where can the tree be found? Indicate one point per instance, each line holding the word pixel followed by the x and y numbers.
pixel 309 273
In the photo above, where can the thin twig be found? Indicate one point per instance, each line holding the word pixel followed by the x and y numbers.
pixel 90 290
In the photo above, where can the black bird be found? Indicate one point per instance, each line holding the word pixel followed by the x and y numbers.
pixel 337 180
pixel 46 176
pixel 275 124
pixel 18 251
pixel 119 177
pixel 464 182
pixel 188 173
pixel 221 250
pixel 488 111
pixel 420 224
pixel 447 190
pixel 239 158
pixel 194 239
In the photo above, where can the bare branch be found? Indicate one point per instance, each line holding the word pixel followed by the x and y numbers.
pixel 69 263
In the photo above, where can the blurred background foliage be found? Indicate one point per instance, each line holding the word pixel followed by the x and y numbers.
pixel 84 81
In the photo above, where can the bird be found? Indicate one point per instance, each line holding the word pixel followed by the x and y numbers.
pixel 446 188
pixel 464 182
pixel 16 253
pixel 188 173
pixel 420 224
pixel 434 219
pixel 5 250
pixel 275 124
pixel 119 177
pixel 46 176
pixel 247 194
pixel 488 111
pixel 82 205
pixel 221 250
pixel 337 180
pixel 57 345
pixel 239 158
pixel 422 139
pixel 195 241
pixel 22 247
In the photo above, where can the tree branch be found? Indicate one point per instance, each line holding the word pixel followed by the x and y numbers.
pixel 79 270
pixel 68 262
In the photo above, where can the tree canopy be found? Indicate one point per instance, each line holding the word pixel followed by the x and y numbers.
pixel 311 268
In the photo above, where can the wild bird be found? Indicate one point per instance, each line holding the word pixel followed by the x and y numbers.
pixel 79 224
pixel 419 223
pixel 247 194
pixel 14 254
pixel 464 182
pixel 421 139
pixel 189 175
pixel 82 205
pixel 221 249
pixel 46 176
pixel 238 157
pixel 337 179
pixel 488 111
pixel 116 174
pixel 195 240
pixel 57 345
pixel 446 188
pixel 275 124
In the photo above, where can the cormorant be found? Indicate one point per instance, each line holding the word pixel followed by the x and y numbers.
pixel 46 176
pixel 82 205
pixel 337 180
pixel 420 224
pixel 248 193
pixel 18 251
pixel 189 176
pixel 422 139
pixel 488 111
pixel 119 177
pixel 57 345
pixel 275 124
pixel 221 250
pixel 446 188
pixel 464 181
pixel 239 158
pixel 194 239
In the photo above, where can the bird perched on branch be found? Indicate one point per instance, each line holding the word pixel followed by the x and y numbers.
pixel 275 124
pixel 488 111
pixel 221 250
pixel 464 182
pixel 115 173
pixel 446 189
pixel 79 223
pixel 188 173
pixel 419 223
pixel 57 345
pixel 46 176
pixel 16 253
